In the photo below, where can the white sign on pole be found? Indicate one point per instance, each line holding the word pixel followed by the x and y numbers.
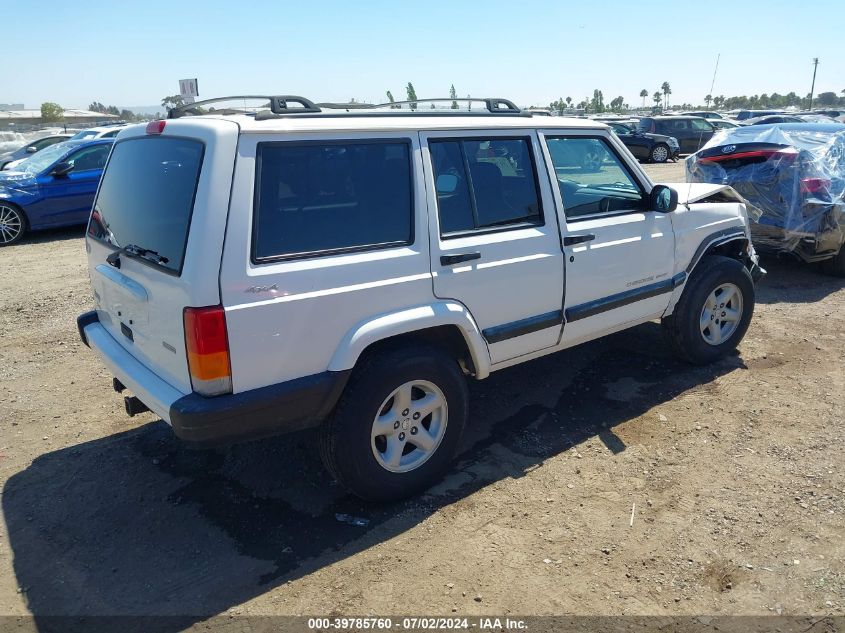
pixel 188 90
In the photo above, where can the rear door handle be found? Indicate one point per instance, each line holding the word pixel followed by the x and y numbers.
pixel 448 260
pixel 570 240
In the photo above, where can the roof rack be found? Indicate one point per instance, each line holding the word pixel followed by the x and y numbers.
pixel 286 105
pixel 494 105
pixel 277 104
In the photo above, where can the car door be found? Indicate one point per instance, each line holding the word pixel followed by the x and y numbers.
pixel 702 131
pixel 635 143
pixel 67 199
pixel 495 244
pixel 619 254
pixel 681 130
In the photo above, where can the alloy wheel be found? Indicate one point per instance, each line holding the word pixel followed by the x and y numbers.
pixel 409 426
pixel 11 224
pixel 721 314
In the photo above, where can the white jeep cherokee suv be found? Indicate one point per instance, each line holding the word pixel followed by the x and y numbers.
pixel 257 272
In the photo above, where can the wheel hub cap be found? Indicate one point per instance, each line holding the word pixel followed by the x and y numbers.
pixel 409 426
pixel 721 314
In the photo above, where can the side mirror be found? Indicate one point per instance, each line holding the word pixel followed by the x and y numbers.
pixel 31 149
pixel 663 199
pixel 65 167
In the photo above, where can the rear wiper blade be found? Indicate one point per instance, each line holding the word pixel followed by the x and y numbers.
pixel 135 251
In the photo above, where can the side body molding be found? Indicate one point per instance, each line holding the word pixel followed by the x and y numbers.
pixel 410 320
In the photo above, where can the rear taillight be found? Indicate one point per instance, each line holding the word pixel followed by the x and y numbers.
pixel 156 127
pixel 208 350
pixel 815 185
pixel 755 156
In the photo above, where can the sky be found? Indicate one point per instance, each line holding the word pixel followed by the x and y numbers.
pixel 133 54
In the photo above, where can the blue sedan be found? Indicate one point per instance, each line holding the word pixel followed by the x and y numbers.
pixel 52 188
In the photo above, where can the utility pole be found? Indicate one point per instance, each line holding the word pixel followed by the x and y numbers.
pixel 813 87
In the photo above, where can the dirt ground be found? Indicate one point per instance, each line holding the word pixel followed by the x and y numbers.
pixel 607 479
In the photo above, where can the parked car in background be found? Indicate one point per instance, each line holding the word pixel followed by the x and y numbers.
pixel 105 131
pixel 706 114
pixel 656 148
pixel 54 187
pixel 772 118
pixel 723 124
pixel 742 115
pixel 691 131
pixel 793 174
pixel 31 148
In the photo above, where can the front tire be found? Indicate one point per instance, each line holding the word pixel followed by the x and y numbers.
pixel 12 224
pixel 659 153
pixel 397 426
pixel 714 311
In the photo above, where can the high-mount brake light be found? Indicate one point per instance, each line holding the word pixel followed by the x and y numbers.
pixel 207 343
pixel 156 127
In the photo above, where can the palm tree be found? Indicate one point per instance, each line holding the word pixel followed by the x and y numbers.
pixel 656 97
pixel 666 92
pixel 643 94
pixel 708 100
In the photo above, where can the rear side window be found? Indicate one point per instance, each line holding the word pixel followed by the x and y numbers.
pixel 147 195
pixel 316 198
pixel 484 183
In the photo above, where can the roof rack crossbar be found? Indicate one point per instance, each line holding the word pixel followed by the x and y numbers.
pixel 278 104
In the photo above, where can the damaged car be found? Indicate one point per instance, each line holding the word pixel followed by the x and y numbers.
pixel 793 178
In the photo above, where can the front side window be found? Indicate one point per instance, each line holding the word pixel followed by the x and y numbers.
pixel 606 187
pixel 701 126
pixel 484 183
pixel 314 198
pixel 93 157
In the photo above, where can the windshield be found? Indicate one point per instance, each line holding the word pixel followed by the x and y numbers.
pixel 147 195
pixel 40 161
pixel 84 134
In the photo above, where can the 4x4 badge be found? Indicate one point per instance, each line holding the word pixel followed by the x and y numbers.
pixel 727 149
pixel 262 288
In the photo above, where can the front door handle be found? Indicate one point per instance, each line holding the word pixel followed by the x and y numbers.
pixel 570 240
pixel 448 260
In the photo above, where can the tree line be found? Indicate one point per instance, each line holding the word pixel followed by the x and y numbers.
pixel 660 100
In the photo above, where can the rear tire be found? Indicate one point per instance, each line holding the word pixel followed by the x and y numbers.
pixel 836 266
pixel 397 426
pixel 659 153
pixel 714 311
pixel 12 223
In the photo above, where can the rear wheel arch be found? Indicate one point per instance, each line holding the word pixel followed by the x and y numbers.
pixel 445 325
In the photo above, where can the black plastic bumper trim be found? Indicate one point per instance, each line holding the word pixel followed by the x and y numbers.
pixel 273 410
pixel 504 332
pixel 84 320
pixel 591 308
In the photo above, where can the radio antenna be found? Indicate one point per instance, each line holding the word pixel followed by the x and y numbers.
pixel 715 70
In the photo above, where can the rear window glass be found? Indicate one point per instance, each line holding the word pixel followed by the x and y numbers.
pixel 484 183
pixel 147 195
pixel 315 198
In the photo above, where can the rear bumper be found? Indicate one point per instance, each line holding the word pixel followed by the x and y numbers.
pixel 272 410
